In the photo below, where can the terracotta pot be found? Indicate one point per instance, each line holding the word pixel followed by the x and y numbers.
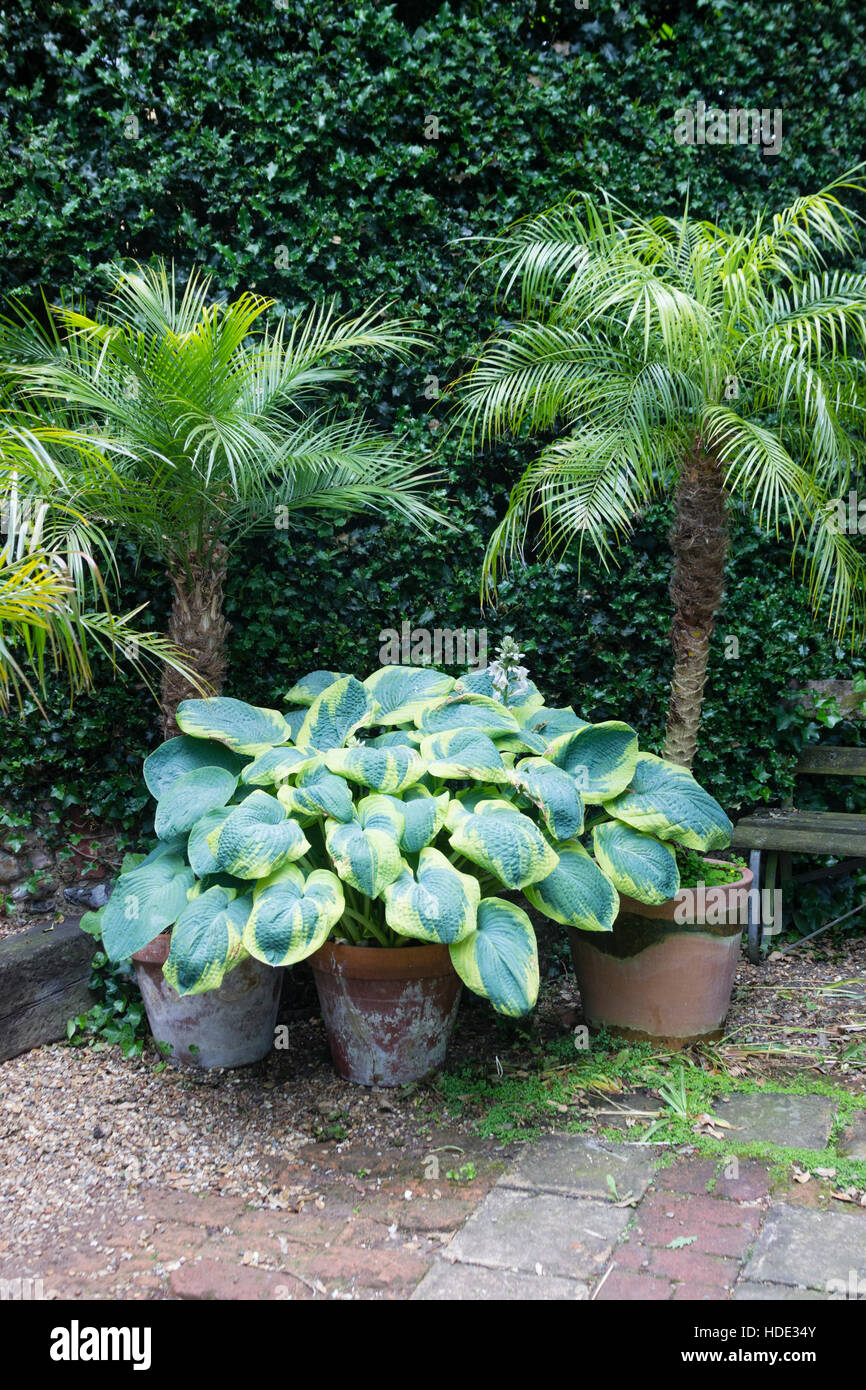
pixel 388 1011
pixel 231 1026
pixel 664 974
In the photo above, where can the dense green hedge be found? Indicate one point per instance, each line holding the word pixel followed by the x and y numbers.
pixel 284 144
pixel 600 644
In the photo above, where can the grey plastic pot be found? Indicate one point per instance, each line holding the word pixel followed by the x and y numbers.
pixel 231 1026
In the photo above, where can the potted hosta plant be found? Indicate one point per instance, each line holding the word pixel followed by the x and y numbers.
pixel 666 970
pixel 373 827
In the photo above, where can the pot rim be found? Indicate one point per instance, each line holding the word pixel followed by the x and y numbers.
pixel 155 952
pixel 686 896
pixel 417 962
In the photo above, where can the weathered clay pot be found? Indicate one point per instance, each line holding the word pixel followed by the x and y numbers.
pixel 231 1026
pixel 658 977
pixel 388 1011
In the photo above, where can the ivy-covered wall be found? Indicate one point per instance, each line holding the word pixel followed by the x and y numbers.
pixel 305 149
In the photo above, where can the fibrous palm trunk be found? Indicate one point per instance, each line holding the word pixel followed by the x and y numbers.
pixel 198 626
pixel 699 540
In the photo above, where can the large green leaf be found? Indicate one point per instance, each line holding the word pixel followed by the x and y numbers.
pixel 600 757
pixel 257 838
pixel 318 791
pixel 277 765
pixel 191 796
pixel 524 742
pixel 463 753
pixel 499 960
pixel 499 838
pixel 198 849
pixel 305 691
pixel 434 903
pixel 551 723
pixel 383 769
pixel 144 902
pixel 423 815
pixel 245 728
pixel 576 893
pixel 397 738
pixel 184 754
pixel 292 915
pixel 402 692
pixel 664 799
pixel 522 698
pixel 368 858
pixel 335 715
pixel 206 941
pixel 555 794
pixel 467 712
pixel 637 864
pixel 295 720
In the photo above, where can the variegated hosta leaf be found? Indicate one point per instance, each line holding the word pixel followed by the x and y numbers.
pixel 368 859
pixel 551 723
pixel 335 715
pixel 318 791
pixel 637 864
pixel 380 812
pixel 470 798
pixel 476 683
pixel 555 794
pixel 295 720
pixel 245 728
pixel 577 893
pixel 521 699
pixel 600 757
pixel 664 799
pixel 464 753
pixel 206 941
pixel 402 692
pixel 257 838
pixel 184 754
pixel 435 903
pixel 383 769
pixel 308 687
pixel 524 742
pixel 197 849
pixel 423 816
pixel 276 766
pixel 397 738
pixel 191 796
pixel 499 960
pixel 292 916
pixel 500 838
pixel 467 712
pixel 145 901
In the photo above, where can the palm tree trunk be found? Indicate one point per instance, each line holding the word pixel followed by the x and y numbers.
pixel 699 540
pixel 198 626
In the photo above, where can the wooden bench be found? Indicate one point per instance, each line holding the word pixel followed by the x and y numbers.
pixel 772 836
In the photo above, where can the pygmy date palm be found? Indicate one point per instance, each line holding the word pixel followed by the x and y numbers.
pixel 56 569
pixel 671 355
pixel 214 423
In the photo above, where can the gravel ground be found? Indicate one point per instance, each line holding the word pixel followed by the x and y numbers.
pixel 82 1127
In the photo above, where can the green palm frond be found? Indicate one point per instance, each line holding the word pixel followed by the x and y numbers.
pixel 54 606
pixel 640 341
pixel 202 407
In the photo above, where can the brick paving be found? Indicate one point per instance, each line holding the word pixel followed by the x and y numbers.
pixel 566 1218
